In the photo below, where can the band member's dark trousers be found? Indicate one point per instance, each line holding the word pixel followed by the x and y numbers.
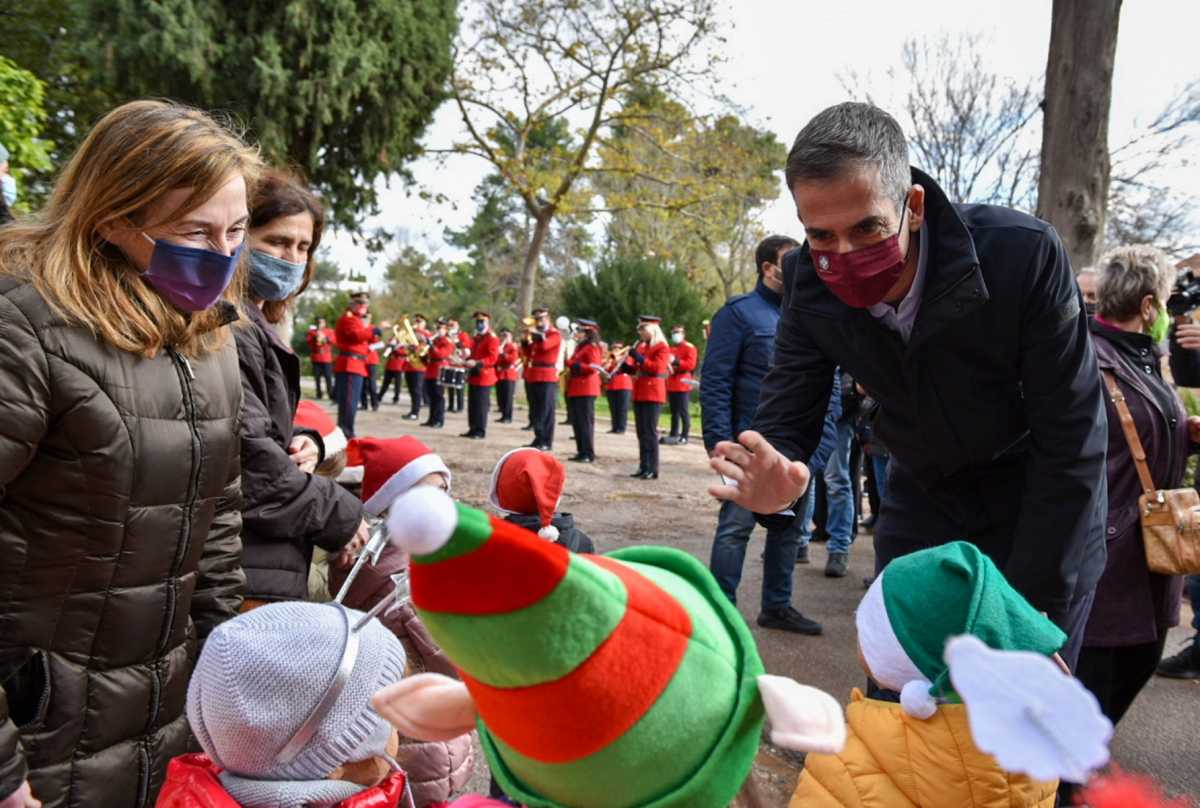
pixel 323 372
pixel 479 404
pixel 456 399
pixel 415 379
pixel 504 399
pixel 582 410
pixel 645 416
pixel 618 405
pixel 349 389
pixel 389 378
pixel 541 408
pixel 529 402
pixel 681 416
pixel 436 398
pixel 370 391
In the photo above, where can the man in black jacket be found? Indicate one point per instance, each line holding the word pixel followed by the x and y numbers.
pixel 965 323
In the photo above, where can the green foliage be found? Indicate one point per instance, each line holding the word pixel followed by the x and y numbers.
pixel 689 190
pixel 22 117
pixel 624 287
pixel 340 89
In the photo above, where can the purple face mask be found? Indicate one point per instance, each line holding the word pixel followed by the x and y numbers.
pixel 190 278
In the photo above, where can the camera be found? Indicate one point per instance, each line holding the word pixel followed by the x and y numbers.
pixel 1185 297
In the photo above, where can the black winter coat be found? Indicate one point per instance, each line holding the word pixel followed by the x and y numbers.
pixel 119 522
pixel 569 536
pixel 287 511
pixel 999 369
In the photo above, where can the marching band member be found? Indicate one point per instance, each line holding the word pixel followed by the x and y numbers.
pixel 370 391
pixel 393 371
pixel 506 375
pixel 353 336
pixel 320 339
pixel 414 368
pixel 679 386
pixel 650 360
pixel 462 345
pixel 618 387
pixel 439 351
pixel 481 375
pixel 583 386
pixel 541 372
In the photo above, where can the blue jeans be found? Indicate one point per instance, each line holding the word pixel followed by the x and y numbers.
pixel 734 525
pixel 881 466
pixel 839 496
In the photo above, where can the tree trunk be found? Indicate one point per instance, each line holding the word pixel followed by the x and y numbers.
pixel 530 271
pixel 1073 186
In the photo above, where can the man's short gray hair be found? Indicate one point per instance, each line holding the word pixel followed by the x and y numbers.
pixel 1127 274
pixel 847 137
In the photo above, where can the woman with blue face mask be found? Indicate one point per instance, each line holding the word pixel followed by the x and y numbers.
pixel 119 405
pixel 287 510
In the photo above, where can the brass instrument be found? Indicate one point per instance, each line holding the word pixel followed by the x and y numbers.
pixel 529 324
pixel 617 358
pixel 415 346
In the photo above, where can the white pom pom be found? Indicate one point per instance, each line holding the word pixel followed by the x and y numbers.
pixel 549 533
pixel 916 700
pixel 422 520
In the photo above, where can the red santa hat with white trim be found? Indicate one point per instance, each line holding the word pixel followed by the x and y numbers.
pixel 529 481
pixel 311 416
pixel 391 466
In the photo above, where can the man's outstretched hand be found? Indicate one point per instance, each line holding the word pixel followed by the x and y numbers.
pixel 766 481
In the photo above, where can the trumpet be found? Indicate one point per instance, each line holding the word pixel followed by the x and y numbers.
pixel 529 324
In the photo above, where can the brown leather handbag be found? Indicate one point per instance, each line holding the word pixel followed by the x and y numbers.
pixel 1170 518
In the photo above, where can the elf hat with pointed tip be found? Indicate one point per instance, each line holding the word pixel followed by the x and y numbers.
pixel 619 681
pixel 528 481
pixel 923 599
pixel 391 466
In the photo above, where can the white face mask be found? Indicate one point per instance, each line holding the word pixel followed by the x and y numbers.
pixel 9 183
pixel 677 338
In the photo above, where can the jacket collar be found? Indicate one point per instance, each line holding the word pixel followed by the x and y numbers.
pixel 767 294
pixel 254 315
pixel 954 285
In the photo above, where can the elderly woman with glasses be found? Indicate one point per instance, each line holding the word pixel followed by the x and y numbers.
pixel 1134 607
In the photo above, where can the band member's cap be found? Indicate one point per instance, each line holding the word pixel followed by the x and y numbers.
pixel 649 318
pixel 420 317
pixel 481 314
pixel 539 311
pixel 443 321
pixel 677 327
pixel 590 325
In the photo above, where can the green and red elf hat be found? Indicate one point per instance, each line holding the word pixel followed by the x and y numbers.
pixel 619 680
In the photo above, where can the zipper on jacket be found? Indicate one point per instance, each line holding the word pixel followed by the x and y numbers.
pixel 143 773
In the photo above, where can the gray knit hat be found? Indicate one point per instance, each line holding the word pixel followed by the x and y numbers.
pixel 267 673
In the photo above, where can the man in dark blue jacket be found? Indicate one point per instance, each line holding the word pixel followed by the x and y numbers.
pixel 965 324
pixel 736 359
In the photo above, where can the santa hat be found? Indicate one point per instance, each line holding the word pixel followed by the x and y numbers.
pixel 310 415
pixel 392 466
pixel 528 481
pixel 627 679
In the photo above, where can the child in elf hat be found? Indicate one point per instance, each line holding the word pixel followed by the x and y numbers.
pixel 974 710
pixel 436 769
pixel 527 485
pixel 625 680
pixel 280 704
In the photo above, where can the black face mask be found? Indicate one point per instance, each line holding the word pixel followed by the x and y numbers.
pixel 1091 309
pixel 480 326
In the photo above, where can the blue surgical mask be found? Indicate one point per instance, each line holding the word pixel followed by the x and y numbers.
pixel 9 184
pixel 481 326
pixel 273 278
pixel 190 278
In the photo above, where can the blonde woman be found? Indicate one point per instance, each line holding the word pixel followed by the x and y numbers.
pixel 119 492
pixel 649 362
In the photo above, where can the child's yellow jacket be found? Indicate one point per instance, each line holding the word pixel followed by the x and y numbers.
pixel 892 760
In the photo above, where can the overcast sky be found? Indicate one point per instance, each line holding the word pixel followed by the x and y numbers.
pixel 783 62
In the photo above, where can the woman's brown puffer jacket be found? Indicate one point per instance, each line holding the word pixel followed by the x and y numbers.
pixel 119 522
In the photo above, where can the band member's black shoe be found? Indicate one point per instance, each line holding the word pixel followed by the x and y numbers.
pixel 581 459
pixel 638 474
pixel 412 416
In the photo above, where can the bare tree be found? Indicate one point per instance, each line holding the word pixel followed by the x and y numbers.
pixel 524 63
pixel 1073 185
pixel 973 130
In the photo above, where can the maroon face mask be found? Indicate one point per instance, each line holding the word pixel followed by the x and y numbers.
pixel 860 278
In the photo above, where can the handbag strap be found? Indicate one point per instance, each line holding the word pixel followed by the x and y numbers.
pixel 1131 435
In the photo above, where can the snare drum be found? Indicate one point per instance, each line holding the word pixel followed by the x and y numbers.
pixel 452 377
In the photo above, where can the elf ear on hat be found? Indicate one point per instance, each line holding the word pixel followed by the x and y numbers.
pixel 943 623
pixel 392 466
pixel 310 416
pixel 619 681
pixel 528 481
